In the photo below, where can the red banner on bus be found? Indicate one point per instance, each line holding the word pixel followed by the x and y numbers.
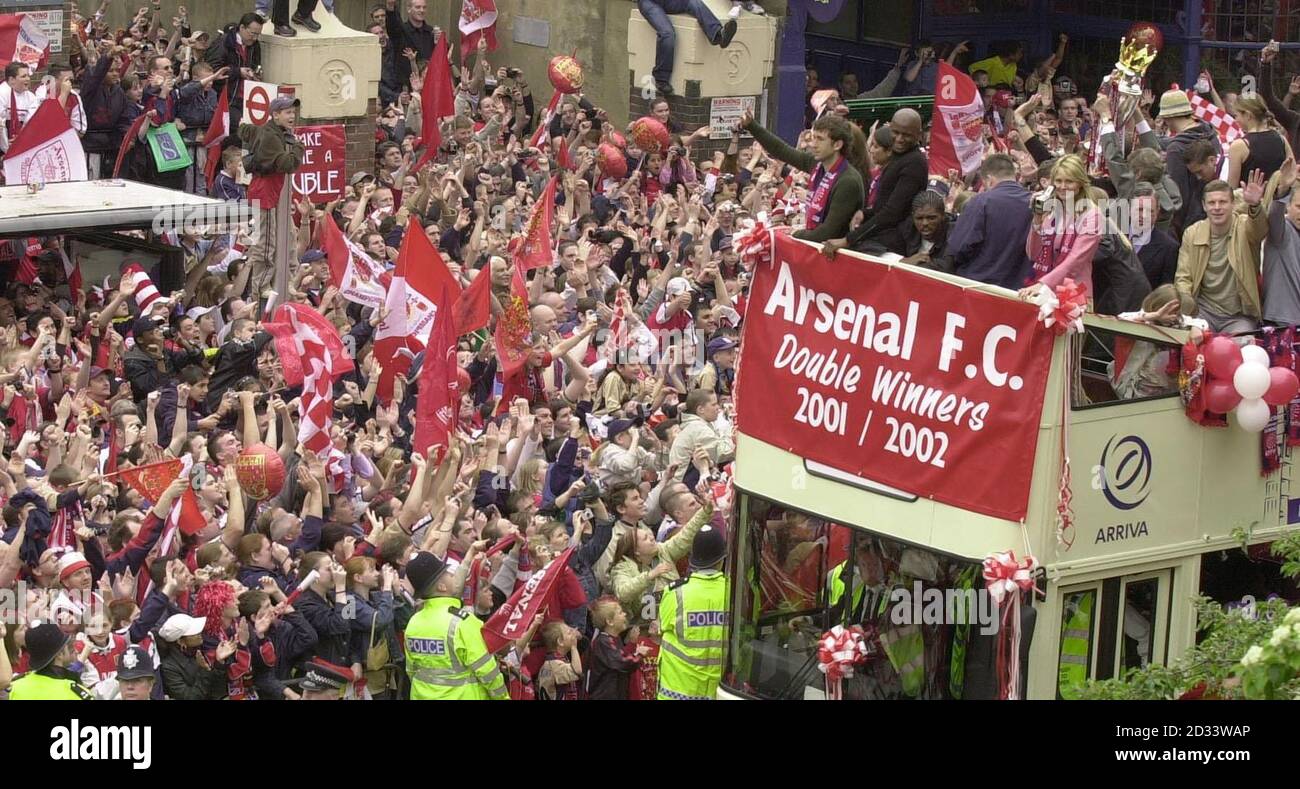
pixel 896 377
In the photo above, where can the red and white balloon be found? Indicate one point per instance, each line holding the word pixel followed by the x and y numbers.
pixel 1241 381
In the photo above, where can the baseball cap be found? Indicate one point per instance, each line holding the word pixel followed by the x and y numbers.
pixel 194 313
pixel 142 325
pixel 721 344
pixel 677 286
pixel 179 626
pixel 285 102
pixel 359 176
pixel 621 426
pixel 134 663
pixel 311 256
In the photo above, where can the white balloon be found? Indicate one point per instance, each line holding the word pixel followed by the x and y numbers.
pixel 1256 354
pixel 1253 415
pixel 1251 380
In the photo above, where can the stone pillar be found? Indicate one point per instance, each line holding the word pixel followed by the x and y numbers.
pixel 336 75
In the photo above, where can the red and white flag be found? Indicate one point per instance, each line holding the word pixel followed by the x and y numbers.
pixel 21 39
pixel 516 614
pixel 218 130
pixel 1224 124
pixel 357 276
pixel 46 150
pixel 478 18
pixel 71 270
pixel 545 122
pixel 438 402
pixel 957 134
pixel 146 293
pixel 418 281
pixel 303 333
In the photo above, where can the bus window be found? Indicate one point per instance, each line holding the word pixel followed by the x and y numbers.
pixel 1078 613
pixel 789 591
pixel 1116 368
pixel 1137 647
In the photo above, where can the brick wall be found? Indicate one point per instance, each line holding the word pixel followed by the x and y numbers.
pixel 692 111
pixel 359 138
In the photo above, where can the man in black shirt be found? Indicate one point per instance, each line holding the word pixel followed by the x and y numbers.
pixel 411 33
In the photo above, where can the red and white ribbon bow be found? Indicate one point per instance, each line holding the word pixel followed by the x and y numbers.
pixel 753 242
pixel 837 651
pixel 1061 310
pixel 1005 578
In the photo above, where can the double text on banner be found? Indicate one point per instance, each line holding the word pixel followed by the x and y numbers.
pixel 957 133
pixel 896 377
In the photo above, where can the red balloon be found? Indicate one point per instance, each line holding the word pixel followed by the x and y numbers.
pixel 565 73
pixel 1222 357
pixel 618 139
pixel 1282 387
pixel 650 135
pixel 260 471
pixel 1221 396
pixel 462 378
pixel 611 161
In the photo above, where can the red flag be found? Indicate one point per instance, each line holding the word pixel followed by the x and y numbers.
pixel 439 99
pixel 475 568
pixel 478 18
pixel 152 480
pixel 439 397
pixel 513 618
pixel 535 247
pixel 128 142
pixel 473 308
pixel 562 155
pixel 218 130
pixel 546 120
pixel 513 328
pixel 418 280
pixel 957 133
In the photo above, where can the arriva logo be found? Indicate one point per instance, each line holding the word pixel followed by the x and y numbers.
pixel 1125 472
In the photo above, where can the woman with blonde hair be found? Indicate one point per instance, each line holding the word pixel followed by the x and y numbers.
pixel 1263 148
pixel 1066 230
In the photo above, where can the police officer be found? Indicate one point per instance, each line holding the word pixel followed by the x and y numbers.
pixel 324 681
pixel 49 678
pixel 693 620
pixel 446 656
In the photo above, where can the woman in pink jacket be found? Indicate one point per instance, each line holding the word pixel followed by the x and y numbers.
pixel 1066 232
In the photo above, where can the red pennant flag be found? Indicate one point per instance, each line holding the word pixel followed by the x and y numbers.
pixel 152 480
pixel 535 247
pixel 438 404
pixel 218 130
pixel 473 308
pixel 476 568
pixel 128 142
pixel 513 328
pixel 438 98
pixel 562 155
pixel 516 614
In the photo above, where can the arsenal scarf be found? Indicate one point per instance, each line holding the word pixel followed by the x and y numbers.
pixel 822 183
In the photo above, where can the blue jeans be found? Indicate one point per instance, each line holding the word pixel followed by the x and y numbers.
pixel 656 13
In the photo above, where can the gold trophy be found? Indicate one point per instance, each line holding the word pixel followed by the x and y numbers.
pixel 1134 60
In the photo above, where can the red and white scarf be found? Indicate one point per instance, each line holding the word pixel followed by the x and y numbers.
pixel 1056 246
pixel 822 182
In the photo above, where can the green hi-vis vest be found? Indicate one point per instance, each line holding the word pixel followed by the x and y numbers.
pixel 1076 637
pixel 446 656
pixel 693 619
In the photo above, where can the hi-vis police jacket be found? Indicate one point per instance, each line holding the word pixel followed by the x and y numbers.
pixel 693 618
pixel 446 656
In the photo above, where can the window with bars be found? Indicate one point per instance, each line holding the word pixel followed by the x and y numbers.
pixel 1240 21
pixel 1090 59
pixel 961 7
pixel 1158 11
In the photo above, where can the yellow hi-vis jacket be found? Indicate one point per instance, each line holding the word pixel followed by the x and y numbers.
pixel 446 656
pixel 693 619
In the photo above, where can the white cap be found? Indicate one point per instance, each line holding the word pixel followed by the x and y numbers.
pixel 677 286
pixel 195 313
pixel 179 626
